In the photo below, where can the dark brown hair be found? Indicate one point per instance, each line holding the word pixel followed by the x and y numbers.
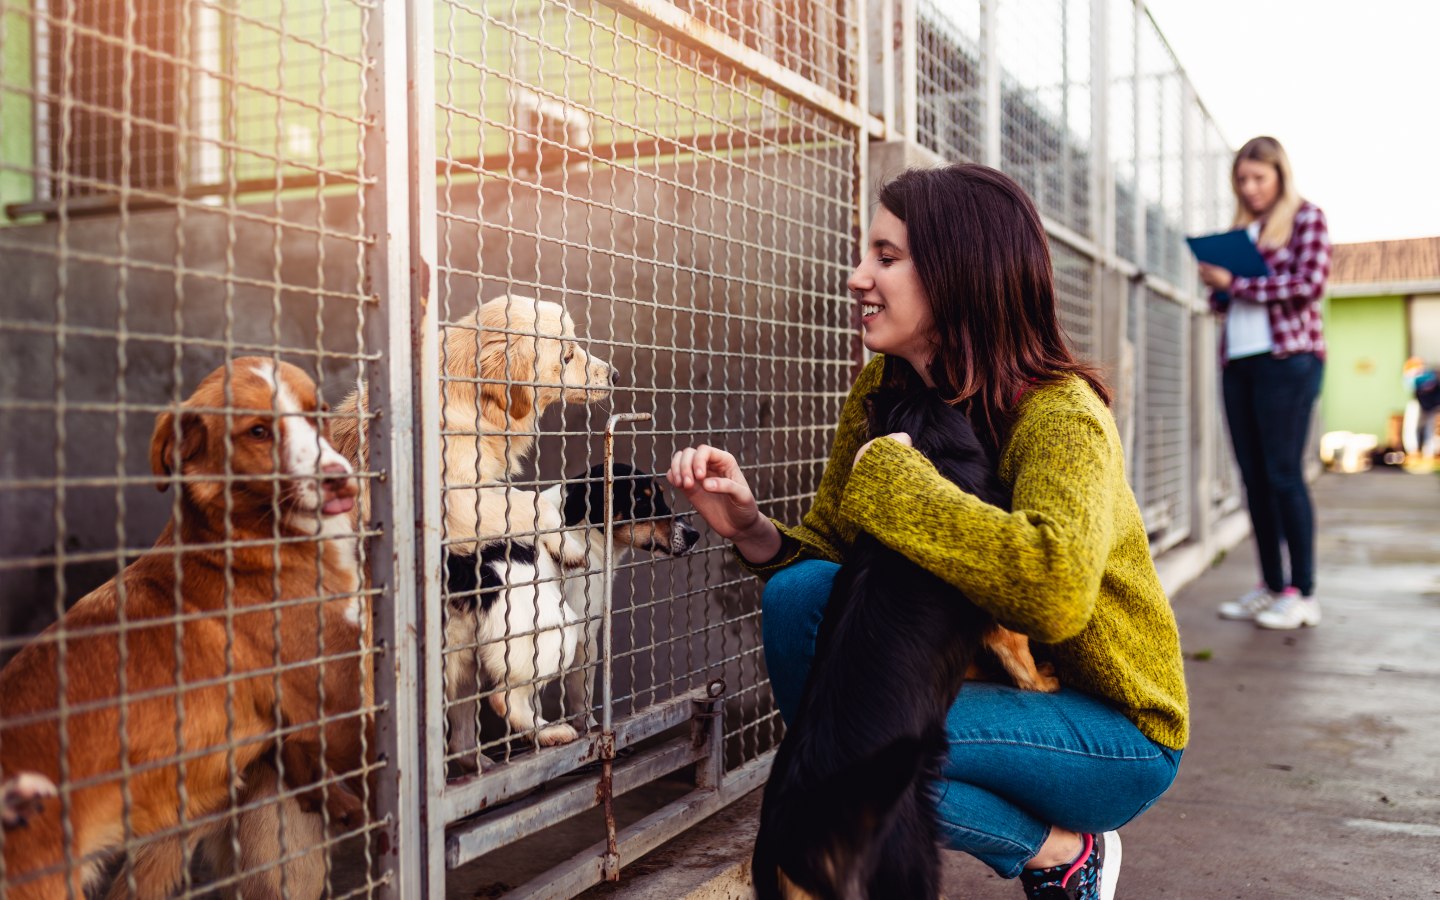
pixel 984 261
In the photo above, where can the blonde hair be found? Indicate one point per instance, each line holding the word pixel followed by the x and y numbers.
pixel 1280 218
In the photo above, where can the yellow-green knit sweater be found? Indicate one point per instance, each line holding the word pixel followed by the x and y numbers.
pixel 1070 566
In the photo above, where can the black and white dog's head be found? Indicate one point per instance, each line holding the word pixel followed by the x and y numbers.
pixel 946 437
pixel 643 519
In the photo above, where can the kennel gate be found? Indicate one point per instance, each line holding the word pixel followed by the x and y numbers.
pixel 685 178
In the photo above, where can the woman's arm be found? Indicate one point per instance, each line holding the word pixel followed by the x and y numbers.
pixel 821 534
pixel 1311 243
pixel 1036 569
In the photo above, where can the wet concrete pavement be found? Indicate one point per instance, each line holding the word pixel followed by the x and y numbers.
pixel 1314 765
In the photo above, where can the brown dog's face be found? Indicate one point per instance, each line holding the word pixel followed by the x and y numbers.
pixel 531 345
pixel 277 455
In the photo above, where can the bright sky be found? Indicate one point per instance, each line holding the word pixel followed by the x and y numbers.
pixel 1351 89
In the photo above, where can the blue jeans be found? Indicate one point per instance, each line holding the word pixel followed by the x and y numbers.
pixel 1019 761
pixel 1268 402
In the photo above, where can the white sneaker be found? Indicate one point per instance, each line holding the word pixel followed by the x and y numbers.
pixel 1290 611
pixel 1249 605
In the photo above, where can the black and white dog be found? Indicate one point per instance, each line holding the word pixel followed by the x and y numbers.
pixel 848 810
pixel 508 630
pixel 527 609
pixel 643 521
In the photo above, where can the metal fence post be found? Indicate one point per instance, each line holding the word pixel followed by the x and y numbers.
pixel 990 81
pixel 392 386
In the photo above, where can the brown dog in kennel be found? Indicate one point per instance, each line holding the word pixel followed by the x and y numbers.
pixel 180 670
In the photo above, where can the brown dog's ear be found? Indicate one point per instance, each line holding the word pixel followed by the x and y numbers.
pixel 522 368
pixel 162 443
pixel 510 358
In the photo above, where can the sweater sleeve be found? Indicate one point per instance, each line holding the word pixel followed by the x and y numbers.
pixel 1037 568
pixel 1311 247
pixel 820 534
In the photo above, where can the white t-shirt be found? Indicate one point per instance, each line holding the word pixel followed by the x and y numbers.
pixel 1247 324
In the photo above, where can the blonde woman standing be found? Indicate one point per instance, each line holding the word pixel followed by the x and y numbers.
pixel 1273 357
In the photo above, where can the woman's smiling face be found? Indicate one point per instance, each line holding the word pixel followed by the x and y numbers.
pixel 894 311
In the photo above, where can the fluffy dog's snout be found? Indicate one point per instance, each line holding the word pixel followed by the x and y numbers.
pixel 339 488
pixel 682 537
pixel 602 375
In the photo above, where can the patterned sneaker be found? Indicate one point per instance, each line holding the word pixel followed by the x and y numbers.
pixel 1092 876
pixel 1289 612
pixel 1249 605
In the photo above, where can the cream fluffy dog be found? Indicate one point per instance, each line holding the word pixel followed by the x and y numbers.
pixel 502 367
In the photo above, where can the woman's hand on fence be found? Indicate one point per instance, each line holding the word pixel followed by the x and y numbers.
pixel 711 479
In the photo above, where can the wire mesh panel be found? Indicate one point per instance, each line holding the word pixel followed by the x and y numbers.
pixel 1044 54
pixel 1165 417
pixel 647 228
pixel 88 63
pixel 1215 202
pixel 1214 210
pixel 1122 114
pixel 1075 297
pixel 1160 86
pixel 949 113
pixel 184 245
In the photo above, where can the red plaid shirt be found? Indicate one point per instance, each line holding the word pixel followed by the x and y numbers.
pixel 1293 294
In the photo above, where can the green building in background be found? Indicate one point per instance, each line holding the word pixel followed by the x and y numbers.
pixel 1383 307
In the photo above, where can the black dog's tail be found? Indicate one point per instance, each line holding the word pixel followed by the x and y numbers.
pixel 861 798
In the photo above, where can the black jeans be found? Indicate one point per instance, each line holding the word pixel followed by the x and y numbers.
pixel 1268 402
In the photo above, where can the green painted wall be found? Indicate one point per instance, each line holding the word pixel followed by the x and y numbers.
pixel 17 119
pixel 1367 341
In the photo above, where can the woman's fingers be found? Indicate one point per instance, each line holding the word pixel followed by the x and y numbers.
pixel 861 452
pixel 898 436
pixel 679 465
pixel 1215 276
pixel 710 478
pixel 713 461
pixel 738 491
pixel 693 465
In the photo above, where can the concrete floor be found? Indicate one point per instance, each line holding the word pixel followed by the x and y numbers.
pixel 1312 770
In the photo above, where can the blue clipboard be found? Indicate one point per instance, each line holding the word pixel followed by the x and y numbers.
pixel 1232 250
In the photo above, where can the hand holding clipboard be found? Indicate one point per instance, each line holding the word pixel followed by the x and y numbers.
pixel 1232 251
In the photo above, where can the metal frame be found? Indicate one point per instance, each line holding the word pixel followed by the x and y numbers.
pixel 406 434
